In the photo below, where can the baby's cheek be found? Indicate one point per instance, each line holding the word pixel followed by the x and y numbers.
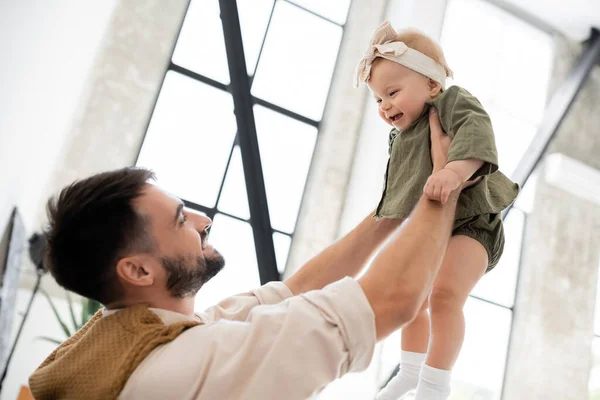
pixel 382 115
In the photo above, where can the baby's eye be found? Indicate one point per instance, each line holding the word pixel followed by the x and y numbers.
pixel 378 101
pixel 393 92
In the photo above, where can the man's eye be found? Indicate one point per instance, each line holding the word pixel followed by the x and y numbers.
pixel 183 219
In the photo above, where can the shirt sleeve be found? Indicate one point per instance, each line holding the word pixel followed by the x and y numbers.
pixel 289 350
pixel 237 307
pixel 470 129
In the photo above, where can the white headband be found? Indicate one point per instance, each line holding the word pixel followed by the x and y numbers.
pixel 383 45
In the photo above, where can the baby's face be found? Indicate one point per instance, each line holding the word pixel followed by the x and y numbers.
pixel 400 92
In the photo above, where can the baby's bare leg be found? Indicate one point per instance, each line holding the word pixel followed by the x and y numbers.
pixel 464 264
pixel 415 335
pixel 415 339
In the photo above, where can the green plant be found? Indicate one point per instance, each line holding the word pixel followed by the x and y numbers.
pixel 88 310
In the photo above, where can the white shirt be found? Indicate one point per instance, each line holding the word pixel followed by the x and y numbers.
pixel 265 344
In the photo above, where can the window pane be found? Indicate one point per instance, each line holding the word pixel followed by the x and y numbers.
pixel 525 61
pixel 473 58
pixel 513 137
pixel 189 138
pixel 499 284
pixel 508 61
pixel 298 60
pixel 201 46
pixel 282 248
pixel 234 199
pixel 594 385
pixel 254 17
pixel 234 240
pixel 506 65
pixel 479 371
pixel 286 148
pixel 335 10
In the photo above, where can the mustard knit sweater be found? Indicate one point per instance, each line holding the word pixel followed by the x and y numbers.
pixel 96 362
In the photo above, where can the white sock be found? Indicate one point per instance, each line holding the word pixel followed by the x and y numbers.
pixel 434 384
pixel 406 379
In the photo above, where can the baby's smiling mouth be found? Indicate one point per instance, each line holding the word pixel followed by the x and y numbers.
pixel 396 117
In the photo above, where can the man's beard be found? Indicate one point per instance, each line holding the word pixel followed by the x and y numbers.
pixel 186 275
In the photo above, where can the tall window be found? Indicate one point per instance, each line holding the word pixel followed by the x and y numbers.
pixel 290 51
pixel 506 63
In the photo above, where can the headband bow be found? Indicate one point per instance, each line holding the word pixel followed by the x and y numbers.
pixel 383 44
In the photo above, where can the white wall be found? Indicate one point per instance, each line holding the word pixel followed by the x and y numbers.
pixel 47 49
pixel 366 180
pixel 32 350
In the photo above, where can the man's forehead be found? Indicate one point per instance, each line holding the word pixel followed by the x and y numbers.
pixel 156 199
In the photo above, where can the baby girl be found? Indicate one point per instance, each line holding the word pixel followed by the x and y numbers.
pixel 406 73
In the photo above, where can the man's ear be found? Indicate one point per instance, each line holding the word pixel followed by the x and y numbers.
pixel 434 88
pixel 136 270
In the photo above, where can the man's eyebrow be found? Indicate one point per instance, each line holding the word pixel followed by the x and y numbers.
pixel 177 214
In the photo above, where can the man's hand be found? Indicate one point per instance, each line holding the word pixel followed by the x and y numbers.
pixel 440 142
pixel 441 184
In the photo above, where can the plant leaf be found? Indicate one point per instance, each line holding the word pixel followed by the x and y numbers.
pixel 93 307
pixel 49 339
pixel 71 312
pixel 59 319
pixel 84 312
pixel 89 309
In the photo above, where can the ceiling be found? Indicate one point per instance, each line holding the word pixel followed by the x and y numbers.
pixel 574 18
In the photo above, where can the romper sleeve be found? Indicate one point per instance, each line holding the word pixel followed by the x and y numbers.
pixel 470 128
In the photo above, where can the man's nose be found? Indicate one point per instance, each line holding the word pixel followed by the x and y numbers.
pixel 200 220
pixel 205 223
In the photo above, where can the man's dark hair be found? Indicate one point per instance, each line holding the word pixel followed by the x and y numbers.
pixel 92 224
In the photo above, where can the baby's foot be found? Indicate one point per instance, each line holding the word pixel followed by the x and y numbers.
pixel 397 387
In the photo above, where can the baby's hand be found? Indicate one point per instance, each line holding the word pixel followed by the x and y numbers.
pixel 441 184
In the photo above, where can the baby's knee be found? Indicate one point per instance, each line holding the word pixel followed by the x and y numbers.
pixel 445 298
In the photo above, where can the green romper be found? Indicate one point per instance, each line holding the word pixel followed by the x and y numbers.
pixel 409 166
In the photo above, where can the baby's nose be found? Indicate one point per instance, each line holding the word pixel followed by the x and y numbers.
pixel 384 106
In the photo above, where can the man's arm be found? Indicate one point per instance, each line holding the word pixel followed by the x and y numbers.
pixel 346 257
pixel 403 272
pixel 289 350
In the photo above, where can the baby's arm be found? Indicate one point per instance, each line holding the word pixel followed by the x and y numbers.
pixel 465 168
pixel 472 153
